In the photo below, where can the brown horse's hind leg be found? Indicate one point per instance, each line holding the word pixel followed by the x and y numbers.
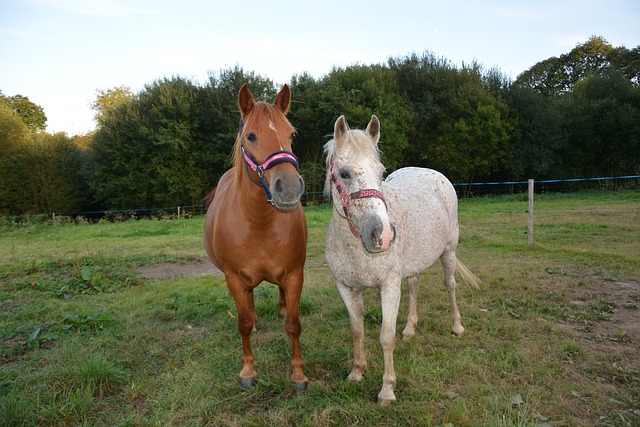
pixel 291 291
pixel 448 259
pixel 246 323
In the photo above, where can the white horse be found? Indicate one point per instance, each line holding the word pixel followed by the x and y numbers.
pixel 382 231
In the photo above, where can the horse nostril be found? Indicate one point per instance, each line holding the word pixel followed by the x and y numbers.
pixel 375 236
pixel 278 186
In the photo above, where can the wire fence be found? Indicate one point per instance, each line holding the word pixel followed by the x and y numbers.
pixel 311 198
pixel 552 220
pixel 548 185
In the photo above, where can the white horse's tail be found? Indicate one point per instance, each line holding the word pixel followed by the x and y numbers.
pixel 466 274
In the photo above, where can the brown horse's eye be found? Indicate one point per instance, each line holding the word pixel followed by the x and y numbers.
pixel 293 134
pixel 252 137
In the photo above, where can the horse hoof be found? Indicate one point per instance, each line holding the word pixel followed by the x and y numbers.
pixel 301 386
pixel 385 403
pixel 247 383
pixel 354 377
pixel 408 335
pixel 457 330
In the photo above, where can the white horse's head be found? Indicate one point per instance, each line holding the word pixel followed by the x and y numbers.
pixel 354 183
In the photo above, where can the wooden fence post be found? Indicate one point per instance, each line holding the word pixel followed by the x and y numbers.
pixel 530 210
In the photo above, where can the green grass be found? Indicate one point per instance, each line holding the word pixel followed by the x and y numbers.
pixel 85 341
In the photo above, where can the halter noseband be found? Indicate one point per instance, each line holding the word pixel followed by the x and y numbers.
pixel 346 197
pixel 274 159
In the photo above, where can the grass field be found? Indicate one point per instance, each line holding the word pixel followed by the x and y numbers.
pixel 551 338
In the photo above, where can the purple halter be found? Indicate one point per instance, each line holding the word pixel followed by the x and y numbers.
pixel 361 194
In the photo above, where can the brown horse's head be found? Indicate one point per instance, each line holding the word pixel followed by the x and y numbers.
pixel 265 139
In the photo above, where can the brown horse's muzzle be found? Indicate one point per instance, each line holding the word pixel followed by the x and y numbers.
pixel 282 186
pixel 286 188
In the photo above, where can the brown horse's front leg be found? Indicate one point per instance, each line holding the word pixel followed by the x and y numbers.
pixel 252 310
pixel 246 322
pixel 292 290
pixel 283 303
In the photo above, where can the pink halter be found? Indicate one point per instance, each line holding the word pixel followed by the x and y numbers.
pixel 360 194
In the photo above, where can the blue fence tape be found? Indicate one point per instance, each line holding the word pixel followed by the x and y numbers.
pixel 548 181
pixel 173 208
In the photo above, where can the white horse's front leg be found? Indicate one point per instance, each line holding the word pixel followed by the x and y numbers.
pixel 355 306
pixel 390 300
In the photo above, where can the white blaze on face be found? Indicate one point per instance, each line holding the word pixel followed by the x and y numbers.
pixel 273 128
pixel 386 236
pixel 377 209
pixel 387 231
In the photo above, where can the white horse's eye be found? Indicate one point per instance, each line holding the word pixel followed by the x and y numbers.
pixel 345 175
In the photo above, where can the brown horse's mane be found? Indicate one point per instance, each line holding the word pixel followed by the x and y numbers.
pixel 256 121
pixel 208 199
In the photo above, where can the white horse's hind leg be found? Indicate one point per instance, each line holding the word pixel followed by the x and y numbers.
pixel 448 259
pixel 390 300
pixel 355 306
pixel 412 317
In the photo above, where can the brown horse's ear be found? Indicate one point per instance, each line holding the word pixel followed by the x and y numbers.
pixel 373 129
pixel 340 130
pixel 245 100
pixel 283 99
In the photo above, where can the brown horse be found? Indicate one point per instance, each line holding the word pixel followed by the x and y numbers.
pixel 255 228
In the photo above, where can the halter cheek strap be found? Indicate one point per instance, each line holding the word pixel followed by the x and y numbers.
pixel 346 197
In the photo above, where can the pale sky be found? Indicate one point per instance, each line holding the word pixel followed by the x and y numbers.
pixel 60 52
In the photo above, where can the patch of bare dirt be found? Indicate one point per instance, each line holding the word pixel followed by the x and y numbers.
pixel 168 270
pixel 619 335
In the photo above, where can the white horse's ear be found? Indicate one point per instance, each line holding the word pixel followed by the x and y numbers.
pixel 340 129
pixel 373 129
pixel 283 99
pixel 245 100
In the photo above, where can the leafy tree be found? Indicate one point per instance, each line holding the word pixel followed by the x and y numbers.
pixel 627 61
pixel 114 165
pixel 218 119
pixel 558 75
pixel 602 121
pixel 13 132
pixel 14 136
pixel 169 144
pixel 358 92
pixel 43 177
pixel 313 114
pixel 459 126
pixel 538 138
pixel 425 81
pixel 31 114
pixel 143 151
pixel 475 139
pixel 109 100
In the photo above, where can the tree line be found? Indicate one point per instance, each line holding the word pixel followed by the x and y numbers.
pixel 577 115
